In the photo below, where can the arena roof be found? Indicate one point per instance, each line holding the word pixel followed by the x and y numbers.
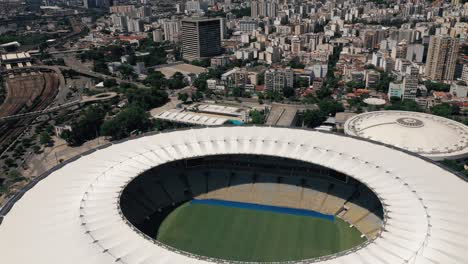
pixel 374 101
pixel 73 216
pixel 428 135
pixel 192 118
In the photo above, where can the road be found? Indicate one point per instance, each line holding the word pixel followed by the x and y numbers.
pixel 83 100
pixel 76 65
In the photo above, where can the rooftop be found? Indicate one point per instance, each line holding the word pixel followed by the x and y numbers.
pixel 71 213
pixel 191 118
pixel 428 135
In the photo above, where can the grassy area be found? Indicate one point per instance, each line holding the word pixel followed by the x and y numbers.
pixel 247 235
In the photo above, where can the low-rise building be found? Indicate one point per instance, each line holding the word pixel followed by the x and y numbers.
pixel 395 90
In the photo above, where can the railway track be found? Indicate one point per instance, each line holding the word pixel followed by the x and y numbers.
pixel 10 131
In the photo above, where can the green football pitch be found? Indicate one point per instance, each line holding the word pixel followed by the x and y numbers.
pixel 249 235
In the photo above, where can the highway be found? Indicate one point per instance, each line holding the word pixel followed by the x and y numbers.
pixel 82 72
pixel 89 99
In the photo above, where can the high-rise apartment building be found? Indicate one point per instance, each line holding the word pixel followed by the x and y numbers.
pixel 464 75
pixel 248 25
pixel 296 45
pixel 441 58
pixel 264 8
pixel 192 6
pixel 158 35
pixel 277 80
pixel 410 83
pixel 128 10
pixel 171 30
pixel 96 3
pixel 201 38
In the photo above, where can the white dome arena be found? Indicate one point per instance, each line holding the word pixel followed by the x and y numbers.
pixel 428 135
pixel 72 214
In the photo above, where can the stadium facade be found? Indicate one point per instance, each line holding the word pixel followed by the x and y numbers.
pixel 73 213
pixel 432 136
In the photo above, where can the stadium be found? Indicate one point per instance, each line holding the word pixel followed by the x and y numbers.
pixel 432 136
pixel 238 195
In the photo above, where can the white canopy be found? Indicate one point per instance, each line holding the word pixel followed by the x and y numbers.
pixel 73 215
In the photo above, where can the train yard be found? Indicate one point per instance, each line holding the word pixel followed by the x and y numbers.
pixel 32 91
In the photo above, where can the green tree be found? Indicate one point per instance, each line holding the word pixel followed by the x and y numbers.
pixel 301 82
pixel 257 117
pixel 14 175
pixel 177 81
pixel 127 71
pixel 288 92
pixel 86 127
pixel 445 110
pixel 156 79
pixel 273 95
pixel 242 12
pixel 330 107
pixel 405 105
pixel 108 83
pixel 296 64
pixel 145 98
pixel 436 86
pixel 313 118
pixel 197 96
pixel 129 119
pixel 200 82
pixel 452 164
pixel 44 138
pixel 183 97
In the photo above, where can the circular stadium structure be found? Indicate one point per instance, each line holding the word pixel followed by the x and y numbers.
pixel 102 207
pixel 428 135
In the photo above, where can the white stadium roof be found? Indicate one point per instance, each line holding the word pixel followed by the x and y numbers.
pixel 73 215
pixel 428 135
pixel 191 118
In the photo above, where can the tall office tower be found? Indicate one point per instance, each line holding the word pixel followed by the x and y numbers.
pixel 201 38
pixel 410 83
pixel 171 30
pixel 441 58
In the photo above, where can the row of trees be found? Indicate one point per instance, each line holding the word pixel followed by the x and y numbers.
pixel 103 55
pixel 326 108
pixel 92 122
pixel 157 80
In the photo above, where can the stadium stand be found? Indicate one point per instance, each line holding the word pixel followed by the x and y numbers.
pixel 252 179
